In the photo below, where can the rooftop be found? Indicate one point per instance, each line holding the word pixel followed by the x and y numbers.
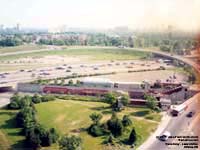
pixel 96 80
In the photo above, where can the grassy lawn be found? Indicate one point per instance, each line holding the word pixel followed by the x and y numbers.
pixel 9 135
pixel 93 54
pixel 72 117
pixel 20 48
pixel 147 114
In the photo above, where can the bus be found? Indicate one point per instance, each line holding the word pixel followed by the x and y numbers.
pixel 178 109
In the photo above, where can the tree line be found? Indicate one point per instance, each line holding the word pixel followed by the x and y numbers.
pixel 37 135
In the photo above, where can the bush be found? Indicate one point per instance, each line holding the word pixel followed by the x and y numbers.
pixel 126 121
pixel 95 130
pixel 70 143
pixel 46 98
pixel 36 99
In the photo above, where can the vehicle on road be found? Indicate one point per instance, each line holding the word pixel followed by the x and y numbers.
pixel 165 136
pixel 190 114
pixel 178 109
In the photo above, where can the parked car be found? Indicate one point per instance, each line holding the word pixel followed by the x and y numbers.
pixel 165 136
pixel 60 68
pixel 68 70
pixel 190 114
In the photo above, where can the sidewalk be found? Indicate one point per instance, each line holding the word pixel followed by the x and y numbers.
pixel 163 124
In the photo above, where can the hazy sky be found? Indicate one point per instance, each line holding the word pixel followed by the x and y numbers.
pixel 184 14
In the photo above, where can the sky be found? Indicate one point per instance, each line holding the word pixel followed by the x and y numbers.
pixel 181 14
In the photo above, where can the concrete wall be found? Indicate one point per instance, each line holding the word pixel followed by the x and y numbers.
pixel 26 87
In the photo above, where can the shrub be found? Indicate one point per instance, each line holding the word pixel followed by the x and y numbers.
pixel 126 121
pixel 46 98
pixel 36 99
pixel 70 143
pixel 95 130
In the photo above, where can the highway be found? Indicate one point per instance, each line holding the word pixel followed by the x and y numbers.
pixel 176 125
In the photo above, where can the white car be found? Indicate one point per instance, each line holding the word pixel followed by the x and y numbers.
pixel 165 136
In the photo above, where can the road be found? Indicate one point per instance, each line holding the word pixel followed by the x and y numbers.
pixel 176 125
pixel 5 98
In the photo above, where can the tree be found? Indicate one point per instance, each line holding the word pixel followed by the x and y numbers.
pixel 70 82
pixel 70 143
pixel 126 121
pixel 165 48
pixel 35 136
pixel 52 136
pixel 132 137
pixel 25 101
pixel 151 102
pixel 62 81
pixel 95 118
pixel 36 99
pixel 78 82
pixel 177 47
pixel 15 102
pixel 25 115
pixel 130 42
pixel 110 98
pixel 55 81
pixel 124 100
pixel 115 125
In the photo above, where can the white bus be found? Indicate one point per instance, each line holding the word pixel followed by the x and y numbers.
pixel 178 109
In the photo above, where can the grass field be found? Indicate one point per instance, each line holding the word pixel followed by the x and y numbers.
pixel 20 48
pixel 94 54
pixel 71 117
pixel 9 135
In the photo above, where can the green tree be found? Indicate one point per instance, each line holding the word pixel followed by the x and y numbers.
pixel 130 42
pixel 133 136
pixel 151 102
pixel 95 117
pixel 15 102
pixel 70 83
pixel 126 121
pixel 62 81
pixel 52 136
pixel 70 143
pixel 78 82
pixel 36 99
pixel 124 99
pixel 55 81
pixel 115 125
pixel 110 98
